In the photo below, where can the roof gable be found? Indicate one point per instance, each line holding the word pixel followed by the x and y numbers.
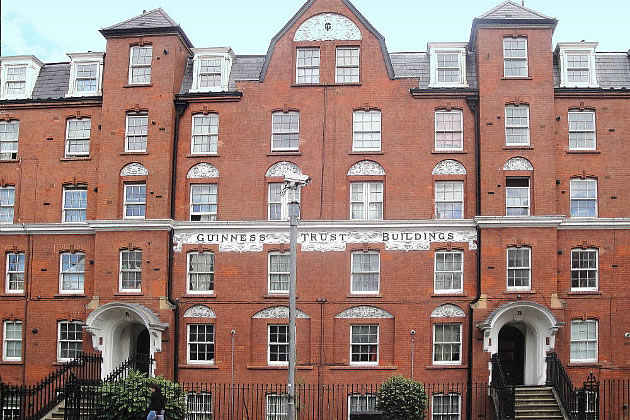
pixel 300 13
pixel 155 21
pixel 510 10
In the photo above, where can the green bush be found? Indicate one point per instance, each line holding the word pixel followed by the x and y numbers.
pixel 402 399
pixel 128 399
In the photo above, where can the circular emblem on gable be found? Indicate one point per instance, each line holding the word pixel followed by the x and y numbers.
pixel 328 26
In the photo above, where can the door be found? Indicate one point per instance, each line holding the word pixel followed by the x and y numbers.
pixel 512 353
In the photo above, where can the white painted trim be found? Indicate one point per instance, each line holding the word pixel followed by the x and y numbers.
pixel 578 112
pixel 276 363
pixel 120 271
pixel 372 292
pixel 214 337
pixel 59 323
pixel 529 126
pixel 590 360
pixel 227 57
pixel 445 394
pixel 378 346
pixel 274 292
pixel 461 350
pixel 6 272
pixel 283 149
pixel 461 129
pixel 85 58
pixel 529 268
pixel 136 115
pixel 587 179
pixel 485 222
pixel 125 203
pixel 435 48
pixel 33 67
pixel 4 341
pixel 584 289
pixel 586 48
pixel 199 292
pixel 506 59
pixel 130 79
pixel 63 200
pixel 67 142
pixel 461 270
pixel 63 291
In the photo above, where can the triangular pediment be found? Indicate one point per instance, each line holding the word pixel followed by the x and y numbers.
pixel 512 10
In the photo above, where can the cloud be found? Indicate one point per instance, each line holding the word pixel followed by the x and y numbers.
pixel 21 37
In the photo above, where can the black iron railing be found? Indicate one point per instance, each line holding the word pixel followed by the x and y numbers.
pixel 140 362
pixel 33 402
pixel 502 391
pixel 559 380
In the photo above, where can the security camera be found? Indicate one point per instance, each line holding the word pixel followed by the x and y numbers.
pixel 294 180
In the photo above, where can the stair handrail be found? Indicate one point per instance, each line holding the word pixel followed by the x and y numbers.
pixel 37 400
pixel 132 362
pixel 558 379
pixel 502 389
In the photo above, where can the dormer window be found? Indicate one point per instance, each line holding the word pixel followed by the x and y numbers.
pixel 85 74
pixel 448 64
pixel 211 69
pixel 18 76
pixel 577 64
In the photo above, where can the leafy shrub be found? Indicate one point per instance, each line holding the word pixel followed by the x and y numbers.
pixel 128 399
pixel 402 399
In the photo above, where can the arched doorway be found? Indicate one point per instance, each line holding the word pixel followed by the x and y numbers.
pixel 120 330
pixel 521 333
pixel 512 352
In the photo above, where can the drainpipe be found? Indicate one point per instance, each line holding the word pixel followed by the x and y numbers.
pixel 473 103
pixel 27 295
pixel 180 107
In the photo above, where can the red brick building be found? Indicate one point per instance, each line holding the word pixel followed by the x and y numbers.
pixel 467 200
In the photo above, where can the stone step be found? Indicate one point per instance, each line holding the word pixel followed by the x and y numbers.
pixel 527 404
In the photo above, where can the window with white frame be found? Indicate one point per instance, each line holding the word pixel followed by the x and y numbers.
pixel 131 270
pixel 517 196
pixel 449 199
pixel 515 57
pixel 11 407
pixel 200 272
pixel 277 407
pixel 307 67
pixel 447 64
pixel 18 76
pixel 205 134
pixel 74 203
pixel 449 130
pixel 279 272
pixel 15 272
pixel 446 407
pixel 583 197
pixel 364 344
pixel 136 132
pixel 203 202
pixel 278 345
pixel 72 272
pixel 211 69
pixel 582 130
pixel 366 200
pixel 285 131
pixel 70 340
pixel 201 343
pixel 361 404
pixel 85 74
pixel 577 64
pixel 78 137
pixel 16 80
pixel 366 130
pixel 7 202
pixel 9 133
pixel 519 270
pixel 584 269
pixel 449 271
pixel 12 341
pixel 347 65
pixel 517 125
pixel 366 272
pixel 447 344
pixel 140 65
pixel 135 201
pixel 199 406
pixel 279 200
pixel 584 341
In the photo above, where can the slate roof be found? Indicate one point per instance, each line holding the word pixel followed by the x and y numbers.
pixel 156 18
pixel 611 69
pixel 511 10
pixel 416 65
pixel 153 21
pixel 52 82
pixel 244 67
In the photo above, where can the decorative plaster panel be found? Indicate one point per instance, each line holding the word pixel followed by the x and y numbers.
pixel 364 312
pixel 366 167
pixel 134 169
pixel 199 311
pixel 282 168
pixel 518 164
pixel 278 312
pixel 449 167
pixel 447 311
pixel 327 27
pixel 203 170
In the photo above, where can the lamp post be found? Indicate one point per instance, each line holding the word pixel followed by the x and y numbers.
pixel 293 182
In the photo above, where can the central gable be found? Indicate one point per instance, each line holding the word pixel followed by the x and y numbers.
pixel 328 27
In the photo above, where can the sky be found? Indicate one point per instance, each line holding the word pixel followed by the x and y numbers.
pixel 50 29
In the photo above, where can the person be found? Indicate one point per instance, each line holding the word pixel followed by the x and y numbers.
pixel 156 406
